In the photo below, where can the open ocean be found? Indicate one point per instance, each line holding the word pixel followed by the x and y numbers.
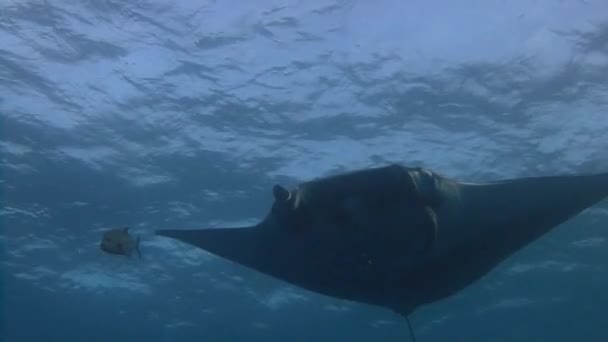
pixel 159 114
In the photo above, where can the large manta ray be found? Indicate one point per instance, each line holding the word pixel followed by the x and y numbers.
pixel 395 236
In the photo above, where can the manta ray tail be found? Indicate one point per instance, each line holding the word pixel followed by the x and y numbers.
pixel 409 326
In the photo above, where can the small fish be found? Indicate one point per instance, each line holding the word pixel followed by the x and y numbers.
pixel 119 241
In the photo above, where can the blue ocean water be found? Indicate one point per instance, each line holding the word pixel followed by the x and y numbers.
pixel 161 114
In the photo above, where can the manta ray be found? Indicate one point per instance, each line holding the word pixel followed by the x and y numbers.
pixel 395 236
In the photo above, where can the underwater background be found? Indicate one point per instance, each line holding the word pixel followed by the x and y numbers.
pixel 159 114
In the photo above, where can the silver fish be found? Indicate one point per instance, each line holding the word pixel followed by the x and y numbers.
pixel 119 241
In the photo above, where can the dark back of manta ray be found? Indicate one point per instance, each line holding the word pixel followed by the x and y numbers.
pixel 359 237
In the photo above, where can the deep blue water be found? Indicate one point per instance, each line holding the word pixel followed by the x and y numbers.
pixel 183 114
